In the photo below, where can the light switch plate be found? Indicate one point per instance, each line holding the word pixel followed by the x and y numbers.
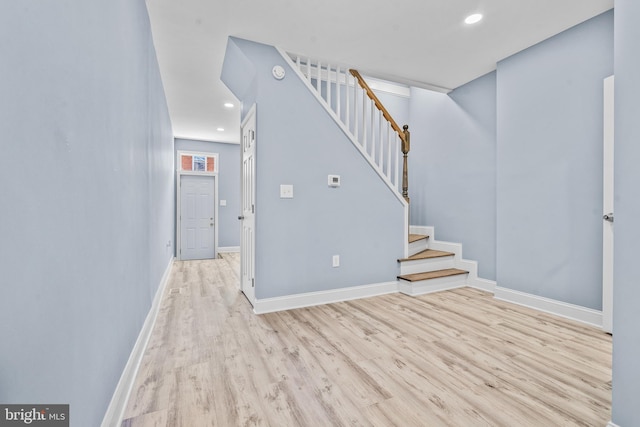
pixel 286 191
pixel 223 203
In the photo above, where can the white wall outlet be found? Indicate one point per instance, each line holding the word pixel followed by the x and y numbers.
pixel 223 203
pixel 336 260
pixel 286 191
pixel 334 180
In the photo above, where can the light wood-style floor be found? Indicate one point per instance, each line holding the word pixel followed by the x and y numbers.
pixel 454 358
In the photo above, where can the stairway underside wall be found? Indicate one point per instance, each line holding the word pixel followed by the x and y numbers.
pixel 299 144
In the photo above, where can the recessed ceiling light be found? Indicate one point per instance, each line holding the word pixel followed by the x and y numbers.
pixel 472 19
pixel 228 105
pixel 220 129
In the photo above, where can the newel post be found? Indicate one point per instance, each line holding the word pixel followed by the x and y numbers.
pixel 406 146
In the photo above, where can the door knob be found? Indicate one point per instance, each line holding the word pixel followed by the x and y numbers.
pixel 241 217
pixel 608 217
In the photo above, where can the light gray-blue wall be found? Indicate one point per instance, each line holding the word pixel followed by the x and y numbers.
pixel 626 298
pixel 86 182
pixel 298 143
pixel 228 186
pixel 452 181
pixel 549 165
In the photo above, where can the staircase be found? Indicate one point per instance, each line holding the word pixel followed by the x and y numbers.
pixel 357 110
pixel 432 266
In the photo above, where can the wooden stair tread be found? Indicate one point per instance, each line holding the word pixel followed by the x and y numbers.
pixel 416 237
pixel 432 274
pixel 427 254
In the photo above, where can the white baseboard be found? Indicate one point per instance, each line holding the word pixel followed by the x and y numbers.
pixel 227 249
pixel 611 424
pixel 570 311
pixel 115 411
pixel 289 302
pixel 483 285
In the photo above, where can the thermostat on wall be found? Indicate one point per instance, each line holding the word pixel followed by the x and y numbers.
pixel 334 180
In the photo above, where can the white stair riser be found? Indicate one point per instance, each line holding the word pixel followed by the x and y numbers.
pixel 424 265
pixel 432 285
pixel 418 246
pixel 455 248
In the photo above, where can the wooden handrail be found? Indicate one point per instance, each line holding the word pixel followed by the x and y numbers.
pixel 402 133
pixel 376 101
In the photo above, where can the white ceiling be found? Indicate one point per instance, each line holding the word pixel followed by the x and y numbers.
pixel 417 42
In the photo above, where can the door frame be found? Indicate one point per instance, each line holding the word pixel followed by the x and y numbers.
pixel 250 293
pixel 214 176
pixel 608 142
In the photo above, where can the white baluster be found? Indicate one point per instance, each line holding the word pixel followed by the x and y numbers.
pixel 329 85
pixel 371 127
pixel 389 150
pixel 355 111
pixel 347 95
pixel 396 138
pixel 372 106
pixel 318 79
pixel 309 69
pixel 298 63
pixel 364 120
pixel 380 141
pixel 338 100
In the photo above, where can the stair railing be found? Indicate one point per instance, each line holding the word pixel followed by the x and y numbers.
pixel 347 94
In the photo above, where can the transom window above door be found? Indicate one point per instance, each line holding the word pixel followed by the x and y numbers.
pixel 206 163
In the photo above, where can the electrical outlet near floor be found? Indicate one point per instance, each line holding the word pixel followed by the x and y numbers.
pixel 336 260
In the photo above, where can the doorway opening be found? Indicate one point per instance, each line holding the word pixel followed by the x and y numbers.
pixel 197 206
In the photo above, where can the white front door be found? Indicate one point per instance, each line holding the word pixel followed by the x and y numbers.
pixel 197 217
pixel 607 209
pixel 247 249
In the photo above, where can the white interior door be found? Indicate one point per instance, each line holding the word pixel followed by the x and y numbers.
pixel 247 249
pixel 197 217
pixel 607 209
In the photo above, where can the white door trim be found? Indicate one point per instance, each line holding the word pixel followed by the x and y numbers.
pixel 213 176
pixel 249 291
pixel 608 206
